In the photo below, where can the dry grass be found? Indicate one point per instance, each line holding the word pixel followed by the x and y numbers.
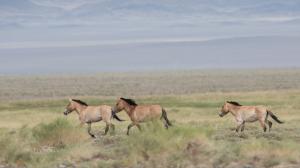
pixel 199 137
pixel 34 133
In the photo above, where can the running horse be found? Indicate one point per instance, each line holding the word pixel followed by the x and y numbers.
pixel 141 113
pixel 243 114
pixel 90 114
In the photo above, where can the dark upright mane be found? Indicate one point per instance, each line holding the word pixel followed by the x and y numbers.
pixel 234 103
pixel 129 101
pixel 80 102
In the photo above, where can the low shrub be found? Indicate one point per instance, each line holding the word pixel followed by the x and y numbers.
pixel 57 134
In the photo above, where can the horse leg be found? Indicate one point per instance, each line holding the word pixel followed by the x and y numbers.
pixel 165 123
pixel 238 128
pixel 106 129
pixel 263 125
pixel 89 130
pixel 112 127
pixel 139 127
pixel 270 125
pixel 268 122
pixel 128 128
pixel 243 127
pixel 240 123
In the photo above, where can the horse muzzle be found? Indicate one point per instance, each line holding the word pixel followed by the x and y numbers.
pixel 66 112
pixel 221 114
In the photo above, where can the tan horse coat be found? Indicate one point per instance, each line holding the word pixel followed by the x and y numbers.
pixel 141 113
pixel 243 114
pixel 89 114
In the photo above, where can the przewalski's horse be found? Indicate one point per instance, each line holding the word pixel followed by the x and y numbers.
pixel 245 114
pixel 141 113
pixel 89 114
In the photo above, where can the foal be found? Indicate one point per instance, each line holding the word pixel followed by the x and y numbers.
pixel 89 114
pixel 141 113
pixel 245 114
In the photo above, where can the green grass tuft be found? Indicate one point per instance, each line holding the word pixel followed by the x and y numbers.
pixel 58 133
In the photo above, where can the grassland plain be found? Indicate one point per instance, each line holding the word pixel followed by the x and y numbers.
pixel 146 83
pixel 34 132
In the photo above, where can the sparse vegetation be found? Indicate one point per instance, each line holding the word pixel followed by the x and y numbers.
pixel 34 133
pixel 146 83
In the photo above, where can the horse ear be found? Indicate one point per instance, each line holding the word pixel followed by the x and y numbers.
pixel 70 99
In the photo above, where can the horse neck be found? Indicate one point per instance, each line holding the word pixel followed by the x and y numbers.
pixel 79 108
pixel 234 109
pixel 129 109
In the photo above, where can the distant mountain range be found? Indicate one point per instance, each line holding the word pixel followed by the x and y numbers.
pixel 77 20
pixel 251 52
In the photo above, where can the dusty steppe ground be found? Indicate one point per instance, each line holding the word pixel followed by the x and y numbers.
pixel 35 133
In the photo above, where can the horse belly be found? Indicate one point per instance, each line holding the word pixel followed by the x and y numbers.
pixel 251 118
pixel 143 117
pixel 147 113
pixel 97 119
pixel 147 116
pixel 94 117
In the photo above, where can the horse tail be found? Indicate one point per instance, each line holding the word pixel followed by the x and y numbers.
pixel 274 117
pixel 165 117
pixel 114 115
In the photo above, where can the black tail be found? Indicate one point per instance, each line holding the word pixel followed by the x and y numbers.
pixel 114 115
pixel 274 117
pixel 164 116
